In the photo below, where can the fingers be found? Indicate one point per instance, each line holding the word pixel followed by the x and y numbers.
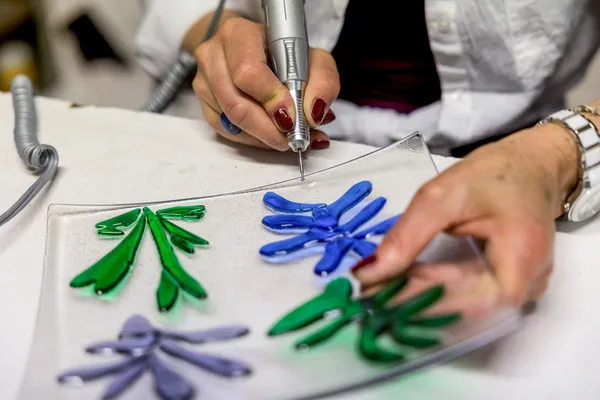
pixel 435 207
pixel 323 86
pixel 244 46
pixel 213 118
pixel 202 90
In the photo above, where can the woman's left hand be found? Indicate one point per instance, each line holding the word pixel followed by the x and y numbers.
pixel 507 194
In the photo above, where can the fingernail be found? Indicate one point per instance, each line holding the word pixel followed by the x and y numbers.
pixel 319 144
pixel 318 111
pixel 364 262
pixel 329 117
pixel 228 126
pixel 283 120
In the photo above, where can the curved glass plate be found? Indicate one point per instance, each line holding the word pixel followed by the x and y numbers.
pixel 244 289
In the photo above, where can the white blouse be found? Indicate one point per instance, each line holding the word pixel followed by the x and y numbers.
pixel 501 63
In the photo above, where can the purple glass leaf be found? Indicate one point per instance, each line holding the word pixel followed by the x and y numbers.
pixel 296 243
pixel 127 378
pixel 288 223
pixel 80 375
pixel 136 326
pixel 168 384
pixel 380 229
pixel 352 197
pixel 209 335
pixel 364 216
pixel 135 346
pixel 278 203
pixel 335 251
pixel 217 365
pixel 363 247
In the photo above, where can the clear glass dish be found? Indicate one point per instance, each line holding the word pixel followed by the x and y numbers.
pixel 244 289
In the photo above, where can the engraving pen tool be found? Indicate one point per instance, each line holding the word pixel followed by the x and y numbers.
pixel 287 40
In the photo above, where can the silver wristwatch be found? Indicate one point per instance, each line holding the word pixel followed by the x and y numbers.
pixel 584 201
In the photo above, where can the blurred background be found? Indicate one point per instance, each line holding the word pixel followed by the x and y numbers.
pixel 84 51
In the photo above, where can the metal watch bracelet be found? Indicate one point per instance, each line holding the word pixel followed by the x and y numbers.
pixel 587 139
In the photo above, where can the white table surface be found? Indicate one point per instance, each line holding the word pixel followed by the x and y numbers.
pixel 116 156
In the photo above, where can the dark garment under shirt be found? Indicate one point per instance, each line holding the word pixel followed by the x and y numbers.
pixel 384 58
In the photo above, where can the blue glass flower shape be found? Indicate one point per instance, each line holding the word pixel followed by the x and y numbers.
pixel 140 343
pixel 321 231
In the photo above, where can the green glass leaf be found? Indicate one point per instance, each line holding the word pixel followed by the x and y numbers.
pixel 417 303
pixel 181 236
pixel 183 244
pixel 107 272
pixel 110 226
pixel 330 329
pixel 388 292
pixel 167 292
pixel 438 321
pixel 416 338
pixel 335 297
pixel 186 213
pixel 368 345
pixel 169 260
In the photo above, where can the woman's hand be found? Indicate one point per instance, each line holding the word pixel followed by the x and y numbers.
pixel 244 101
pixel 506 194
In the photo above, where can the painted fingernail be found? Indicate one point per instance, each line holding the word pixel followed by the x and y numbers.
pixel 319 144
pixel 283 120
pixel 329 117
pixel 364 262
pixel 318 111
pixel 228 126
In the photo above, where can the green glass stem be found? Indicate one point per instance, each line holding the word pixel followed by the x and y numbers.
pixel 336 296
pixel 438 321
pixel 181 238
pixel 111 269
pixel 388 292
pixel 414 337
pixel 417 303
pixel 110 227
pixel 368 346
pixel 350 313
pixel 186 213
pixel 168 258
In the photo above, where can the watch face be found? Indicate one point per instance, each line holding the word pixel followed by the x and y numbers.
pixel 586 205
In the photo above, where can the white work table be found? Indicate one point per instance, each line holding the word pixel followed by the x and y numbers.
pixel 116 156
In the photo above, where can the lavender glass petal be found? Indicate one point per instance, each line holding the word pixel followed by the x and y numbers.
pixel 217 365
pixel 80 375
pixel 209 335
pixel 134 346
pixel 335 251
pixel 168 384
pixel 127 378
pixel 286 223
pixel 136 326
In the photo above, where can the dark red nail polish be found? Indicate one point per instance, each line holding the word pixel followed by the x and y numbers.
pixel 364 262
pixel 329 117
pixel 283 120
pixel 318 111
pixel 319 144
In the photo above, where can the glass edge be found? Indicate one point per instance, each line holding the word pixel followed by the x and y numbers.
pixel 253 189
pixel 482 339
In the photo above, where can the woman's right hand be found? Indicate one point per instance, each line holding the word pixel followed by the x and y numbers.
pixel 244 101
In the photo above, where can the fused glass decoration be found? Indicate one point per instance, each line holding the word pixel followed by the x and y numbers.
pixel 402 322
pixel 243 288
pixel 141 345
pixel 112 269
pixel 322 230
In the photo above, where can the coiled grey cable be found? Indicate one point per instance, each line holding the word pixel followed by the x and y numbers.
pixel 175 78
pixel 39 157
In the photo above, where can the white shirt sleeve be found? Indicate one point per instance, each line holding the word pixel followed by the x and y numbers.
pixel 165 23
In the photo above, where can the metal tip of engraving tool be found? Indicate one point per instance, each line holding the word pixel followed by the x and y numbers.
pixel 301 165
